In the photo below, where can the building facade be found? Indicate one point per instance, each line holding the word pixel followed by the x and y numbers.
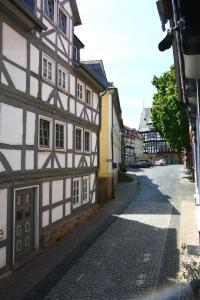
pixel 132 145
pixel 49 126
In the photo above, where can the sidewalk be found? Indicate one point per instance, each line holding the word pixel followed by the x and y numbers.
pixel 59 258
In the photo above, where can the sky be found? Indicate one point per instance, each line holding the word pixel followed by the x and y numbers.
pixel 125 36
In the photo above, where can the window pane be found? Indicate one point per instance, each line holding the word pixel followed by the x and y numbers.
pixel 44 133
pixel 60 136
pixel 62 21
pixel 49 8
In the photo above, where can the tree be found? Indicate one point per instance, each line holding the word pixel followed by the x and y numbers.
pixel 169 117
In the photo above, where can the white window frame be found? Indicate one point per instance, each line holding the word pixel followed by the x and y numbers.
pixel 79 90
pixel 50 133
pixel 52 62
pixel 64 137
pixel 90 91
pixel 60 68
pixel 67 20
pixel 78 150
pixel 86 200
pixel 77 204
pixel 54 12
pixel 87 151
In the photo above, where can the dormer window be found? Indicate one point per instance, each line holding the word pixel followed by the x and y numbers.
pixel 49 8
pixel 62 21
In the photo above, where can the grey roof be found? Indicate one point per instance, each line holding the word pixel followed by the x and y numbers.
pixel 145 119
pixel 96 67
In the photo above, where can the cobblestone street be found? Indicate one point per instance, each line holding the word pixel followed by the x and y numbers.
pixel 139 250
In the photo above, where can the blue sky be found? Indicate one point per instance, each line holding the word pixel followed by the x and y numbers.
pixel 125 36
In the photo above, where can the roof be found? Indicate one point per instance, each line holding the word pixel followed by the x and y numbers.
pixel 97 68
pixel 145 119
pixel 77 19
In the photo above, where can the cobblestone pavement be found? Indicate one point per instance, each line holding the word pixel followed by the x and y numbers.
pixel 139 252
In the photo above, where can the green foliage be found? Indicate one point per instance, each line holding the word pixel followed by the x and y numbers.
pixel 168 114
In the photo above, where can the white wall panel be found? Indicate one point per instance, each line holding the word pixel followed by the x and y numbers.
pixel 52 37
pixel 67 209
pixel 70 136
pixel 47 23
pixel 29 161
pixel 3 79
pixel 95 161
pixel 13 157
pixel 79 109
pixel 57 213
pixel 45 41
pixel 77 160
pixel 88 160
pixel 68 188
pixel 42 157
pixel 89 113
pixel 39 4
pixel 14 46
pixel 34 86
pixel 2 169
pixel 92 178
pixel 45 193
pixel 61 158
pixel 3 212
pixel 97 119
pixel 17 76
pixel 69 160
pixel 34 59
pixel 11 124
pixel 72 85
pixel 46 90
pixel 72 106
pixel 68 8
pixel 45 218
pixel 64 99
pixel 94 141
pixel 95 100
pixel 57 191
pixel 30 128
pixel 94 197
pixel 64 57
pixel 2 257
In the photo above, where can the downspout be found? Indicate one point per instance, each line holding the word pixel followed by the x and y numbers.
pixel 112 151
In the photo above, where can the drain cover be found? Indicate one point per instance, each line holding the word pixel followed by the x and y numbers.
pixel 193 250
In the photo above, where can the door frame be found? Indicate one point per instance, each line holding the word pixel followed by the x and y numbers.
pixel 36 216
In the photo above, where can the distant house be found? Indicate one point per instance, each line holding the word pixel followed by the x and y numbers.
pixel 132 146
pixel 110 134
pixel 155 146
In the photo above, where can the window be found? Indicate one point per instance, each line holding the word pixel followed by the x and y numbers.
pixel 79 91
pixel 76 53
pixel 44 133
pixel 78 139
pixel 48 66
pixel 49 8
pixel 59 135
pixel 62 21
pixel 76 192
pixel 85 190
pixel 88 97
pixel 62 78
pixel 86 141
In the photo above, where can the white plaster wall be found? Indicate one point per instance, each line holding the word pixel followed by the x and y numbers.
pixel 52 37
pixel 70 136
pixel 95 100
pixel 94 141
pixel 34 86
pixel 64 57
pixel 64 99
pixel 45 193
pixel 11 124
pixel 30 128
pixel 79 109
pixel 57 191
pixel 95 161
pixel 71 30
pixel 42 157
pixel 46 90
pixel 72 106
pixel 61 158
pixel 88 160
pixel 2 257
pixel 97 119
pixel 34 59
pixel 72 85
pixel 45 41
pixel 29 161
pixel 3 211
pixel 92 178
pixel 2 169
pixel 139 147
pixel 68 188
pixel 64 43
pixel 93 197
pixel 13 157
pixel 45 218
pixel 47 23
pixel 39 4
pixel 57 213
pixel 89 112
pixel 17 76
pixel 68 8
pixel 67 209
pixel 69 160
pixel 77 160
pixel 3 79
pixel 14 46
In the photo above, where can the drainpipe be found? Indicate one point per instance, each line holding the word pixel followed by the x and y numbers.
pixel 197 196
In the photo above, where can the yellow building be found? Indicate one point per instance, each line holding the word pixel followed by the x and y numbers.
pixel 111 126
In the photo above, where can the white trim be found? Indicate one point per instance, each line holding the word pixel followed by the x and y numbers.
pixel 67 20
pixel 80 84
pixel 50 133
pixel 87 200
pixel 79 179
pixel 66 78
pixel 36 216
pixel 64 142
pixel 54 12
pixel 49 59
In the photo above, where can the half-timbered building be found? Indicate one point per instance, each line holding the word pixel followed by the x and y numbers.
pixel 49 126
